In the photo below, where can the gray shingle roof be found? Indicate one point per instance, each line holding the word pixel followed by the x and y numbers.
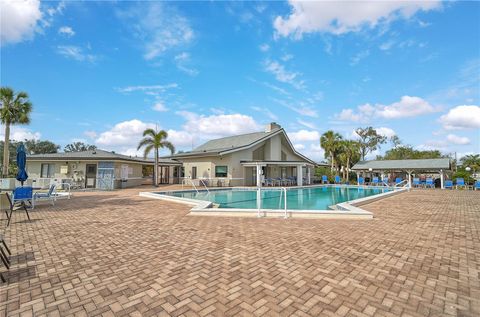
pixel 228 143
pixel 94 155
pixel 420 164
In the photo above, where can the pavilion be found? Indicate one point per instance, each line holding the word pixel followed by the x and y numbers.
pixel 439 166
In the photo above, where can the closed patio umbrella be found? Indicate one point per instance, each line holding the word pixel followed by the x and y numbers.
pixel 21 163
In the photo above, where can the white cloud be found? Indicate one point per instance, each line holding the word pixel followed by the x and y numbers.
pixel 286 57
pixel 264 47
pixel 159 106
pixel 282 75
pixel 218 125
pixel 299 147
pixel 148 89
pixel 358 57
pixel 299 107
pixel 266 112
pixel 67 31
pixel 18 133
pixel 307 124
pixel 462 117
pixel 339 17
pixel 90 134
pixel 314 152
pixel 385 132
pixel 158 26
pixel 459 140
pixel 407 107
pixel 123 135
pixel 387 45
pixel 19 20
pixel 76 53
pixel 182 60
pixel 304 135
pixel 180 138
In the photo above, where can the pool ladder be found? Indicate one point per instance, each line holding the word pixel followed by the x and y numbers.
pixel 283 194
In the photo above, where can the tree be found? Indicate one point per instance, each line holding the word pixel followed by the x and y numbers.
pixel 472 161
pixel 406 152
pixel 369 141
pixel 330 143
pixel 79 147
pixel 15 108
pixel 349 155
pixel 153 140
pixel 41 147
pixel 395 140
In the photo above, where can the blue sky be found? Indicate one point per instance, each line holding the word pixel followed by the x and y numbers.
pixel 102 72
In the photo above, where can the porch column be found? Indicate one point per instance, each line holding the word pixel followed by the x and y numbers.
pixel 441 179
pixel 409 179
pixel 259 176
pixel 309 176
pixel 299 175
pixel 358 177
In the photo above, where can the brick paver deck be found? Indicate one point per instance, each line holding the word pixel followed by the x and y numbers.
pixel 117 254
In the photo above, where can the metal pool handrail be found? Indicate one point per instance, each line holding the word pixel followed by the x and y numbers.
pixel 259 201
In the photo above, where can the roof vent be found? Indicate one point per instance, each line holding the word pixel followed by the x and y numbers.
pixel 272 126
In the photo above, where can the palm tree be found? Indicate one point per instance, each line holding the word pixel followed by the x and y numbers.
pixel 153 140
pixel 350 151
pixel 330 142
pixel 15 108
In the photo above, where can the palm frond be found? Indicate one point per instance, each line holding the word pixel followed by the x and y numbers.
pixel 147 150
pixel 144 142
pixel 168 145
pixel 149 132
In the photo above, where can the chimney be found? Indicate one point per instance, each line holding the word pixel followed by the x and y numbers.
pixel 272 126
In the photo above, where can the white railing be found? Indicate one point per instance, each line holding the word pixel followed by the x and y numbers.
pixel 399 185
pixel 283 195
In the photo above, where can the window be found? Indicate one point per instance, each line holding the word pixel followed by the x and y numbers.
pixel 194 172
pixel 221 171
pixel 47 170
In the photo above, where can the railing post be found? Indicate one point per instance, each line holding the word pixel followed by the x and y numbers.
pixel 285 194
pixel 259 202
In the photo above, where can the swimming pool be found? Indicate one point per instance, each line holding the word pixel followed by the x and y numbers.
pixel 304 198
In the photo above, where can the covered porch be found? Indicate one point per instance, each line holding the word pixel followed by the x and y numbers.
pixel 277 173
pixel 409 168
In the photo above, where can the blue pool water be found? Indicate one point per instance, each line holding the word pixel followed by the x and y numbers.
pixel 313 198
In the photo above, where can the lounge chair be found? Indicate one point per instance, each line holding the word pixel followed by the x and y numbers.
pixel 324 179
pixel 385 180
pixel 460 182
pixel 375 181
pixel 4 254
pixel 429 183
pixel 48 196
pixel 361 181
pixel 269 182
pixel 448 184
pixel 476 186
pixel 416 182
pixel 398 180
pixel 21 197
pixel 338 180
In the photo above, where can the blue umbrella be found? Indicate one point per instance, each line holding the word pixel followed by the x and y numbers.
pixel 21 163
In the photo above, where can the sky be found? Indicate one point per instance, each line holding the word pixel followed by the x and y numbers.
pixel 102 72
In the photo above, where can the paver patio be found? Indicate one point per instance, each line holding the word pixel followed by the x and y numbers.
pixel 116 254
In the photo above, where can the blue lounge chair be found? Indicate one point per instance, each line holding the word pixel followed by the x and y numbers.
pixel 460 182
pixel 398 180
pixel 429 183
pixel 51 195
pixel 361 181
pixel 375 181
pixel 324 179
pixel 476 185
pixel 385 180
pixel 448 184
pixel 416 182
pixel 21 198
pixel 337 179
